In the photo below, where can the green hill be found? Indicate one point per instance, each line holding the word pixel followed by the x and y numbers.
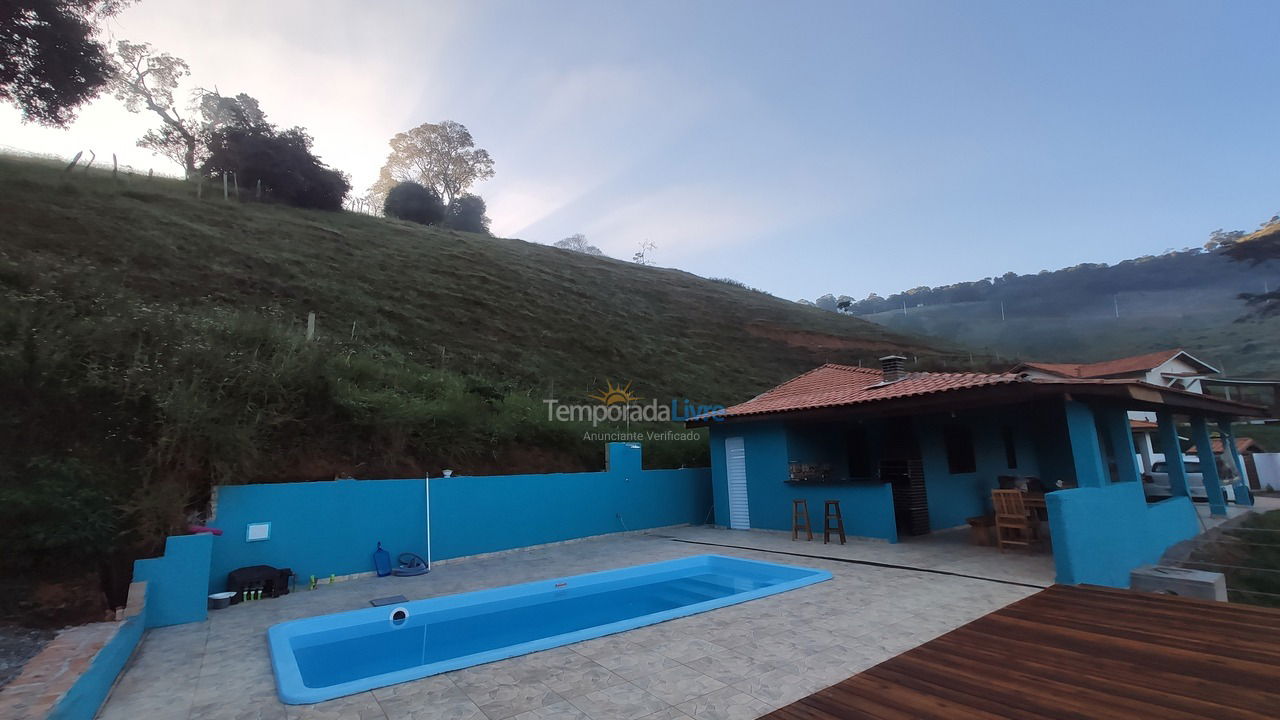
pixel 153 343
pixel 1094 312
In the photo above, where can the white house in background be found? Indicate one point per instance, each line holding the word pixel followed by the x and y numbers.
pixel 1174 368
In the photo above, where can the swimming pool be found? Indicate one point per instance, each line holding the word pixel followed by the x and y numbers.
pixel 330 656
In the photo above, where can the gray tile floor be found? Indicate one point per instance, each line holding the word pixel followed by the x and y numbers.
pixel 737 662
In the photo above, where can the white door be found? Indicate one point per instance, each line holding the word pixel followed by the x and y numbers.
pixel 735 463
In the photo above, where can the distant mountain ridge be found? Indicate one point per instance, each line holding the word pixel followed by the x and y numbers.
pixel 1094 311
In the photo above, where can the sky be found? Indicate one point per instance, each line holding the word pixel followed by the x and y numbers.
pixel 799 147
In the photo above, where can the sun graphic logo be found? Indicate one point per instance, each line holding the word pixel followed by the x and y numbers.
pixel 615 394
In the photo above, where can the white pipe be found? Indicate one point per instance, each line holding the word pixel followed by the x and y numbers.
pixel 426 480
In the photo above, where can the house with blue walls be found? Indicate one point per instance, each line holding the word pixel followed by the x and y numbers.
pixel 908 453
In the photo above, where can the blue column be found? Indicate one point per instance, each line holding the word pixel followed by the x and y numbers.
pixel 1115 421
pixel 1208 468
pixel 622 457
pixel 1086 453
pixel 1172 448
pixel 1243 495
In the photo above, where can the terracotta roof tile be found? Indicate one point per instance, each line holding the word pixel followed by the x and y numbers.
pixel 838 385
pixel 1243 445
pixel 1106 368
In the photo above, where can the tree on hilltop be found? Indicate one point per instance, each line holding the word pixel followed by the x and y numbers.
pixel 467 213
pixel 440 156
pixel 415 203
pixel 578 243
pixel 143 79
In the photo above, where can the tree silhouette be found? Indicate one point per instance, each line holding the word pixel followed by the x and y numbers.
pixel 51 62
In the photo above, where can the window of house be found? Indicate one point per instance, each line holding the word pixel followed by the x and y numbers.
pixel 1010 449
pixel 958 441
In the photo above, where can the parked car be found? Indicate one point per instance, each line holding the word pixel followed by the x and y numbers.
pixel 1156 482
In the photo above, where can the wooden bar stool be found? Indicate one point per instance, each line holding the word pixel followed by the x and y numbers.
pixel 800 519
pixel 831 511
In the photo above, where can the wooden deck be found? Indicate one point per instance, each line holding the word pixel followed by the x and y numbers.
pixel 1071 652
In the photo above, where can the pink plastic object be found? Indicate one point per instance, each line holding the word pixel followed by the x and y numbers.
pixel 197 529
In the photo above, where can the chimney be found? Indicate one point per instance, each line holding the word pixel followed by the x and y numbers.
pixel 894 367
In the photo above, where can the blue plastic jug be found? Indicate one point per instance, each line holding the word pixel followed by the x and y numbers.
pixel 382 561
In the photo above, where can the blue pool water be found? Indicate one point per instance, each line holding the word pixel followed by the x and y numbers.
pixel 333 655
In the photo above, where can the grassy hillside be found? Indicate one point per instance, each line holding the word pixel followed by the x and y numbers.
pixel 152 343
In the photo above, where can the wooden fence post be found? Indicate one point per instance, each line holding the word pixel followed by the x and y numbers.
pixel 225 195
pixel 311 326
pixel 92 156
pixel 74 160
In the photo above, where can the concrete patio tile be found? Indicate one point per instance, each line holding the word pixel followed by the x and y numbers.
pixel 668 714
pixel 427 699
pixel 686 648
pixel 620 702
pixel 778 687
pixel 563 710
pixel 476 679
pixel 727 703
pixel 579 679
pixel 253 700
pixel 607 645
pixel 729 666
pixel 362 706
pixel 503 701
pixel 678 684
pixel 635 663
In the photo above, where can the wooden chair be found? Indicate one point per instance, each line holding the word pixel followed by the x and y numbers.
pixel 800 519
pixel 1014 524
pixel 832 521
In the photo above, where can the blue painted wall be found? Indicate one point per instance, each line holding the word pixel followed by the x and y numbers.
pixel 770 447
pixel 324 528
pixel 1101 533
pixel 953 498
pixel 472 515
pixel 85 697
pixel 765 444
pixel 318 528
pixel 178 581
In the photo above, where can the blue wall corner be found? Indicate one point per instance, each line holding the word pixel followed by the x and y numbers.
pixel 318 528
pixel 178 581
pixel 1102 533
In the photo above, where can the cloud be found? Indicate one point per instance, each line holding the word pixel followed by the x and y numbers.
pixel 690 220
pixel 577 131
